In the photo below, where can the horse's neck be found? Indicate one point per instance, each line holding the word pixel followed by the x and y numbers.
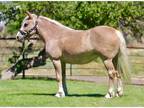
pixel 48 28
pixel 45 30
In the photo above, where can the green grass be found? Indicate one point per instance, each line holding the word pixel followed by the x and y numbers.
pixel 33 92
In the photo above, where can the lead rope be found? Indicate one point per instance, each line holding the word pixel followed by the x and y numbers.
pixel 24 49
pixel 30 43
pixel 25 46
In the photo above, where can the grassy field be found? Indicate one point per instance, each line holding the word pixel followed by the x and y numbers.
pixel 33 92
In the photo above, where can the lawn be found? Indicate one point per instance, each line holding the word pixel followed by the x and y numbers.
pixel 33 92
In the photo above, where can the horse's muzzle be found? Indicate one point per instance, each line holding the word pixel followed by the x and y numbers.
pixel 19 38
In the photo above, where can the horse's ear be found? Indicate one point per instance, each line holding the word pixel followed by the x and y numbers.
pixel 29 14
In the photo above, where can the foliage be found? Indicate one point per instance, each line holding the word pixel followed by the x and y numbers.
pixel 79 15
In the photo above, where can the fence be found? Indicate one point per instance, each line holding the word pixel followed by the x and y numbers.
pixel 7 46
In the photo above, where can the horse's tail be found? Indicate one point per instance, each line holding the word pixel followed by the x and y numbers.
pixel 121 60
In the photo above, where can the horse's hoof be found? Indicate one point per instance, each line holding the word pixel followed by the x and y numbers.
pixel 109 95
pixel 60 94
pixel 119 94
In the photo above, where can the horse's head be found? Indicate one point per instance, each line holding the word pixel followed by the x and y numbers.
pixel 28 27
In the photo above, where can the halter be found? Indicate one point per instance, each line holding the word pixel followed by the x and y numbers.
pixel 29 32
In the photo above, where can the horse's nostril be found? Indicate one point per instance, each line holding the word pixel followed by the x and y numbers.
pixel 17 37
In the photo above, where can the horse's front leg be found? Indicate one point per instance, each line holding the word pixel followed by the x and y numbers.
pixel 58 70
pixel 64 77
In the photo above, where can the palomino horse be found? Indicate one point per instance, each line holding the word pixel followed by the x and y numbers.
pixel 65 45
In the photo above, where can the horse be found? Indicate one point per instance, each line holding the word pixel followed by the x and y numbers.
pixel 66 45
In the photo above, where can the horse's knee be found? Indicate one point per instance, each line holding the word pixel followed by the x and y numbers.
pixel 58 79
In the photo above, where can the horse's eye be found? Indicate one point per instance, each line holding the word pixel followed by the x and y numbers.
pixel 25 25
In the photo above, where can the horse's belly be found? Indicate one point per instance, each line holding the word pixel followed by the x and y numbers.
pixel 80 58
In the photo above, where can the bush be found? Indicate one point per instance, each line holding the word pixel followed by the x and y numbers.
pixel 79 15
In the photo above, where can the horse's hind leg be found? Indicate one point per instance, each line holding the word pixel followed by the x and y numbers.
pixel 119 84
pixel 112 77
pixel 119 88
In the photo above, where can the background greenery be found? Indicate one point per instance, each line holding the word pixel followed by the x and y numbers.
pixel 127 16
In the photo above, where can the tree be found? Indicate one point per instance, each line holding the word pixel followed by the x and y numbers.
pixel 79 15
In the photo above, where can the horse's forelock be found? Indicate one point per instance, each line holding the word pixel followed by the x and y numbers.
pixel 26 18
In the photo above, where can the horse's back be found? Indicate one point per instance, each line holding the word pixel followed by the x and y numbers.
pixel 105 41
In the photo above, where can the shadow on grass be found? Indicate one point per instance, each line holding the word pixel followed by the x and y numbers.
pixel 70 95
pixel 86 95
pixel 29 77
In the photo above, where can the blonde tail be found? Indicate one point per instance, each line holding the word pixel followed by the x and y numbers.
pixel 122 64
